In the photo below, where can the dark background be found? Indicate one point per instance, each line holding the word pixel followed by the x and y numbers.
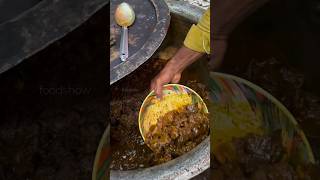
pixel 54 105
pixel 277 48
pixel 288 30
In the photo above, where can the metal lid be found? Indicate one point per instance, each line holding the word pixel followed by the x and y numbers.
pixel 145 35
pixel 34 24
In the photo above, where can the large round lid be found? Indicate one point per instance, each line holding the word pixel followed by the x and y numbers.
pixel 28 26
pixel 145 35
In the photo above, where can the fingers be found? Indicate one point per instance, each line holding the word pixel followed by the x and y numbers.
pixel 158 89
pixel 158 83
pixel 176 78
pixel 156 86
pixel 152 85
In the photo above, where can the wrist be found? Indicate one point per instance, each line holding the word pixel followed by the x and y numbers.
pixel 172 66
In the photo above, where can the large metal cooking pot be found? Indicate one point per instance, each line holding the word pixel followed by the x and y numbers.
pixel 28 26
pixel 196 161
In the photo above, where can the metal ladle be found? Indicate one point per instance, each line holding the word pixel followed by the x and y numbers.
pixel 124 16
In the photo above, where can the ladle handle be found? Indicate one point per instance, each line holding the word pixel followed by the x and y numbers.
pixel 124 52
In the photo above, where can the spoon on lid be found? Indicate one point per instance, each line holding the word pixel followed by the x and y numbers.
pixel 124 17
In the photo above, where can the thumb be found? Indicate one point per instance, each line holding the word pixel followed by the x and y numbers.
pixel 158 90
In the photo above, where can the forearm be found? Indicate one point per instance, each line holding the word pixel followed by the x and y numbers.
pixel 183 58
pixel 227 14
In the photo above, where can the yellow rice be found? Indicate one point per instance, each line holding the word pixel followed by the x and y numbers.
pixel 161 107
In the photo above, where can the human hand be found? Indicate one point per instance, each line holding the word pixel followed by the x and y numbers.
pixel 167 75
pixel 173 69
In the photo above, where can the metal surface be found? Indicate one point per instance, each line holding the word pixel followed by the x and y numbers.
pixel 145 35
pixel 124 51
pixel 185 10
pixel 36 25
pixel 183 167
pixel 10 9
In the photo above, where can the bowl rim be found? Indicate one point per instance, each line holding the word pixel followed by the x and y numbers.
pixel 167 85
pixel 95 170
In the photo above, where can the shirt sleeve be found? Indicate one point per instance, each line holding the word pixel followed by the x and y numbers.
pixel 198 37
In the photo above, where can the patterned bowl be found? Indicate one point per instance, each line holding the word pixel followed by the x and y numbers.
pixel 168 90
pixel 248 109
pixel 103 158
